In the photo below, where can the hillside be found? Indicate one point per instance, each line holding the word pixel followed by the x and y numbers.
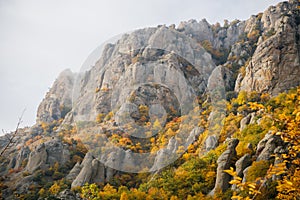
pixel 198 111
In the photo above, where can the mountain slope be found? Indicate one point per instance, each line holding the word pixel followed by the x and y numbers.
pixel 164 111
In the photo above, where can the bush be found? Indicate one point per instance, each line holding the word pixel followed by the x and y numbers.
pixel 257 170
pixel 57 175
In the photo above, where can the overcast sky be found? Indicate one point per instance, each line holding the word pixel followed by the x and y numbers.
pixel 40 38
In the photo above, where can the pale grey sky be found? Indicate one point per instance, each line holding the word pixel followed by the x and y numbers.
pixel 40 38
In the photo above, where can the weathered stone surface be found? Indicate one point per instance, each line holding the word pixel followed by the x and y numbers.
pixel 211 142
pixel 275 65
pixel 98 170
pixel 245 174
pixel 56 152
pixel 221 78
pixel 58 101
pixel 244 122
pixel 12 163
pixel 224 162
pixel 90 170
pixel 37 158
pixel 267 146
pixel 48 153
pixel 85 173
pixel 74 172
pixel 202 30
pixel 199 30
pixel 137 61
pixel 193 136
pixel 22 155
pixel 242 164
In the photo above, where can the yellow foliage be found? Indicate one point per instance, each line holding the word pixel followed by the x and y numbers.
pixel 256 106
pixel 42 192
pixel 257 170
pixel 100 117
pixel 54 189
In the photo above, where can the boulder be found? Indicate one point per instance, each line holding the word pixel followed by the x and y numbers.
pixel 211 142
pixel 224 162
pixel 37 158
pixel 245 174
pixel 244 122
pixel 242 164
pixel 47 154
pixel 85 173
pixel 91 170
pixel 74 172
pixel 267 146
pixel 57 152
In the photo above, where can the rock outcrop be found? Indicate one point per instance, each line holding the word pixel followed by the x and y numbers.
pixel 58 101
pixel 91 170
pixel 275 64
pixel 242 164
pixel 47 154
pixel 249 119
pixel 222 38
pixel 37 158
pixel 266 147
pixel 167 70
pixel 225 161
pixel 143 61
pixel 211 142
pixel 21 157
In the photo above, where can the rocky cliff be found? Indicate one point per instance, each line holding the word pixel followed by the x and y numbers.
pixel 274 65
pixel 58 101
pixel 157 93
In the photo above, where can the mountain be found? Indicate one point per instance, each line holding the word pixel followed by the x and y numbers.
pixel 198 111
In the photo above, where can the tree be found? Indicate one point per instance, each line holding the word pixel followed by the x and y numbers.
pixel 11 138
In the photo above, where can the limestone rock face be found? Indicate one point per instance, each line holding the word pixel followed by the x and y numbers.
pixel 211 142
pixel 152 60
pixel 37 158
pixel 224 162
pixel 199 30
pixel 85 173
pixel 202 30
pixel 47 154
pixel 242 164
pixel 193 136
pixel 58 101
pixel 164 155
pixel 74 172
pixel 56 152
pixel 169 153
pixel 249 119
pixel 22 155
pixel 275 65
pixel 267 146
pixel 90 170
pixel 245 173
pixel 221 77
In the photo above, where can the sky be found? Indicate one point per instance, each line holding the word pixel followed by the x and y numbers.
pixel 41 38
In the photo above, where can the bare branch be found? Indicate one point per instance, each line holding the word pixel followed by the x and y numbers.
pixel 12 137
